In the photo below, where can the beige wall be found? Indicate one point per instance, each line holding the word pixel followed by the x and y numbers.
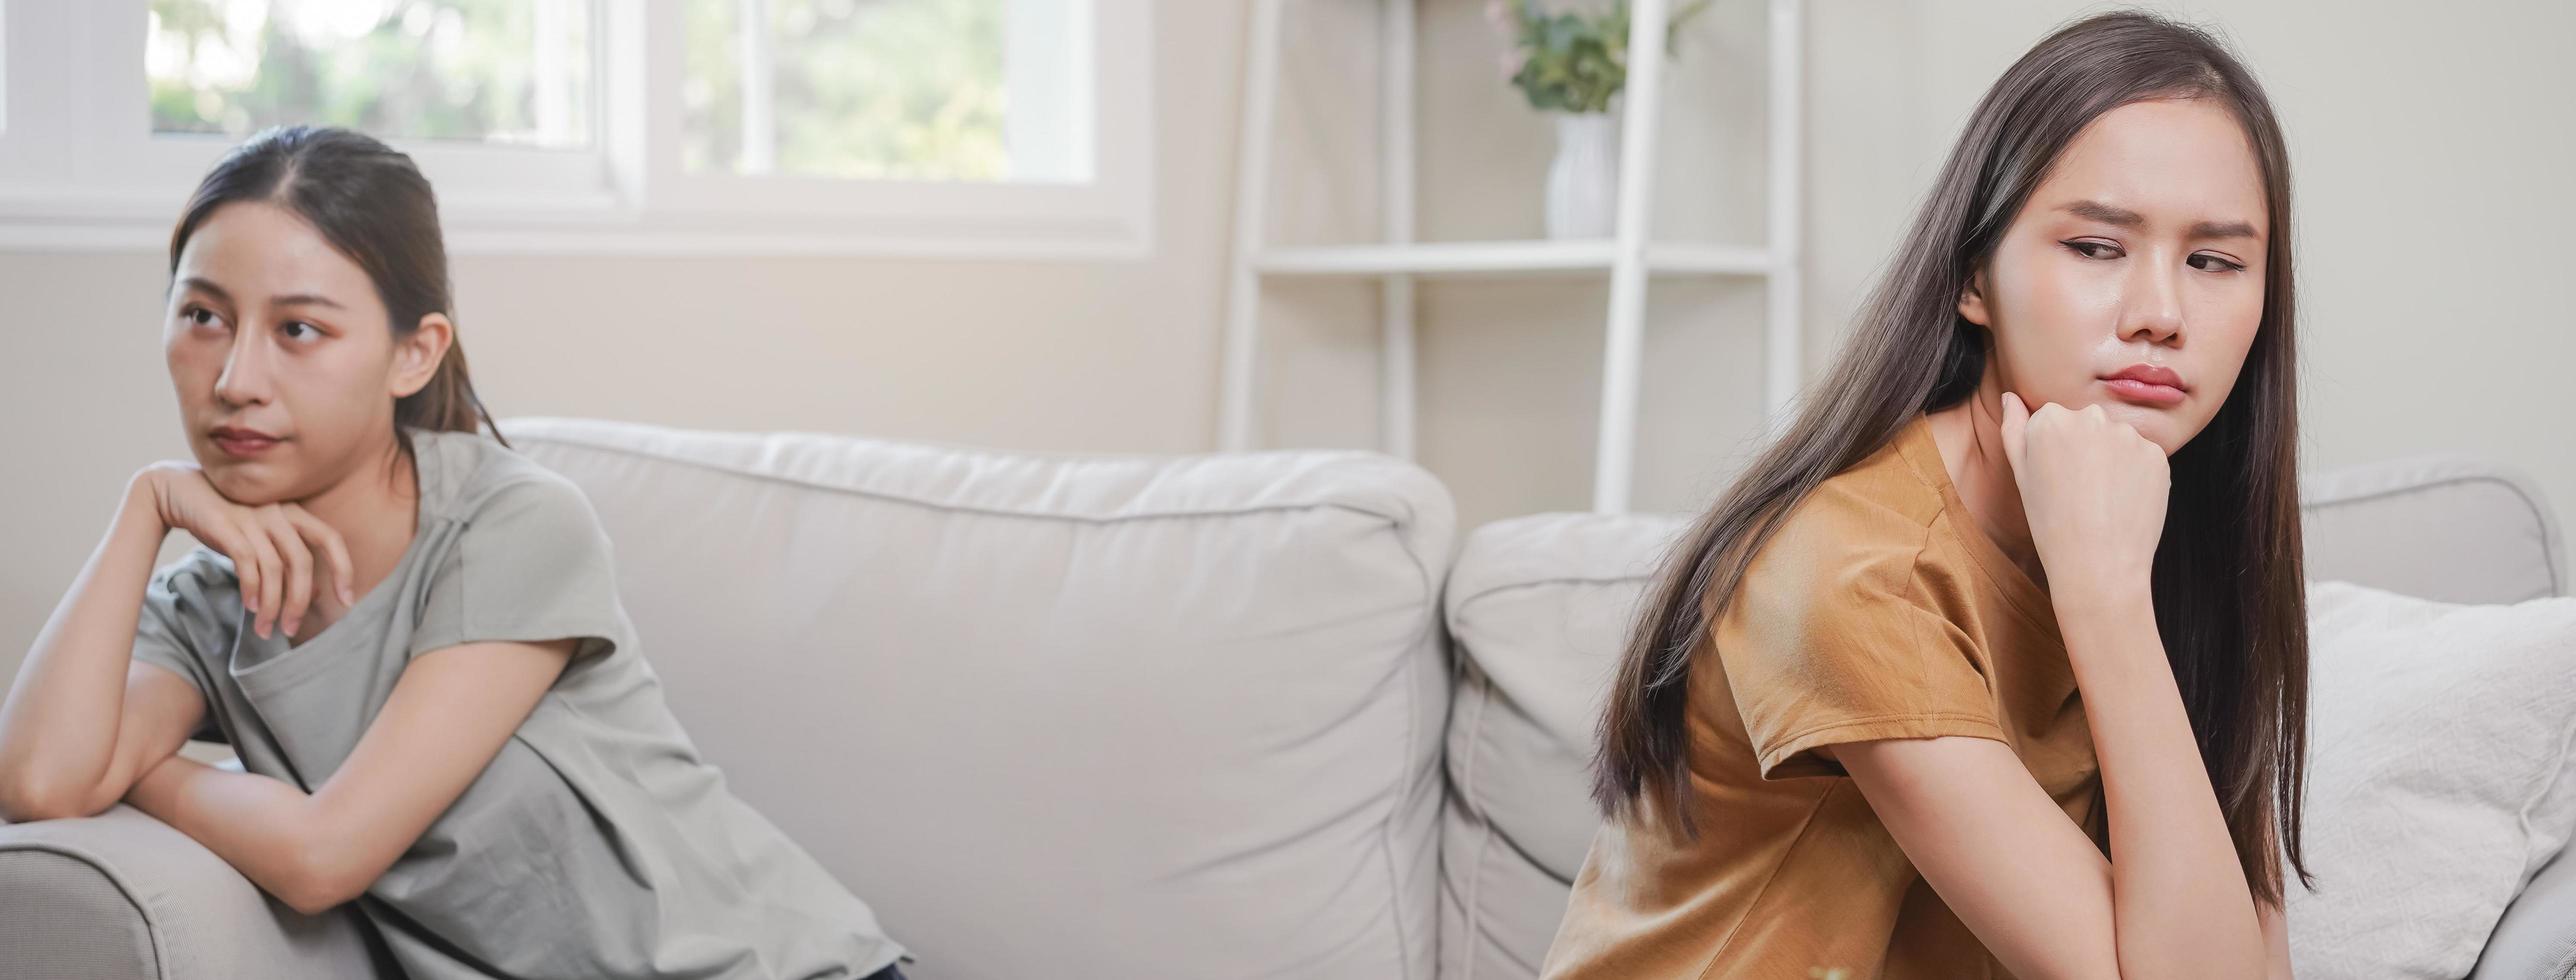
pixel 2431 156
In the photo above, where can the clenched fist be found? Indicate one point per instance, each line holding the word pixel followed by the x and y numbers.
pixel 2094 492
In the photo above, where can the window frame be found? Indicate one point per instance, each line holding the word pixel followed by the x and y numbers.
pixel 68 181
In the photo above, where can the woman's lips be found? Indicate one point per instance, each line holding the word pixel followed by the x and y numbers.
pixel 2144 393
pixel 244 446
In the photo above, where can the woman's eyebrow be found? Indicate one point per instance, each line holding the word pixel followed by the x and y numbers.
pixel 2223 229
pixel 289 299
pixel 207 287
pixel 2125 218
pixel 2106 214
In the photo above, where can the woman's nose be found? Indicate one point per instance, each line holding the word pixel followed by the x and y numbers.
pixel 245 380
pixel 2154 311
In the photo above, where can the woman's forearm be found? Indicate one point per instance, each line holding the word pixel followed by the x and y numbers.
pixel 261 826
pixel 2180 905
pixel 58 727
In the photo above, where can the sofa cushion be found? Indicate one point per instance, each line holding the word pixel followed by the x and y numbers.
pixel 1098 716
pixel 2532 940
pixel 2438 732
pixel 1537 606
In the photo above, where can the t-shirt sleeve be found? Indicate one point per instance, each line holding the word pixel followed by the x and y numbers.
pixel 1847 651
pixel 531 564
pixel 185 628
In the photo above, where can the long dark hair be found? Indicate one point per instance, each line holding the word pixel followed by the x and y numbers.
pixel 372 204
pixel 2229 595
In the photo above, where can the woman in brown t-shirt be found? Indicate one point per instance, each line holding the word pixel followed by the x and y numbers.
pixel 1950 686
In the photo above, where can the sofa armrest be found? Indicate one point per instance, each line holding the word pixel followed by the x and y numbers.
pixel 122 896
pixel 2536 939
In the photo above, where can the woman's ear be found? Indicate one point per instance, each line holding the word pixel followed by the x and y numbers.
pixel 1972 300
pixel 418 354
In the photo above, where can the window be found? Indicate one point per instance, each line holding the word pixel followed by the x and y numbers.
pixel 914 89
pixel 511 73
pixel 968 127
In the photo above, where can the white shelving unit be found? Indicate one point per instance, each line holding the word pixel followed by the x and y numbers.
pixel 1629 257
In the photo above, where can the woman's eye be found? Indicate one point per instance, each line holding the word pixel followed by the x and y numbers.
pixel 198 316
pixel 2216 264
pixel 2094 250
pixel 309 333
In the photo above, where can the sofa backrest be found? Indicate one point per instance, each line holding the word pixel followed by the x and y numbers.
pixel 2448 527
pixel 987 690
pixel 1538 606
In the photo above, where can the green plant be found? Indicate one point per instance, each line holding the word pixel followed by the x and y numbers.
pixel 1573 60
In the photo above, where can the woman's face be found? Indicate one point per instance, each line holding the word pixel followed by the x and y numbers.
pixel 2143 246
pixel 285 364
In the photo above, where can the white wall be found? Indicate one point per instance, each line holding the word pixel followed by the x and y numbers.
pixel 2430 154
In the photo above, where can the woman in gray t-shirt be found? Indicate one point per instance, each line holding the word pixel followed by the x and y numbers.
pixel 409 633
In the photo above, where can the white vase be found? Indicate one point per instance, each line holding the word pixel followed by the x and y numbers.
pixel 1583 182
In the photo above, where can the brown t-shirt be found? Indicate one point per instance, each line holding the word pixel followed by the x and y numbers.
pixel 1879 610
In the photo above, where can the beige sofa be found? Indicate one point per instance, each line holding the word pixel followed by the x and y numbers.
pixel 1258 715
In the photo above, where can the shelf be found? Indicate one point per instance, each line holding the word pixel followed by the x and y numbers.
pixel 1504 258
pixel 1395 257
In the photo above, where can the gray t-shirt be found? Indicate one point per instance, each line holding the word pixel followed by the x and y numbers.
pixel 598 843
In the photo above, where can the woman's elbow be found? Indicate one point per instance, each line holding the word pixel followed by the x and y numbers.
pixel 323 877
pixel 314 892
pixel 20 804
pixel 26 800
pixel 315 898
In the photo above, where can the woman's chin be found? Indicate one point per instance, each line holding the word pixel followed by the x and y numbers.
pixel 2160 425
pixel 250 484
